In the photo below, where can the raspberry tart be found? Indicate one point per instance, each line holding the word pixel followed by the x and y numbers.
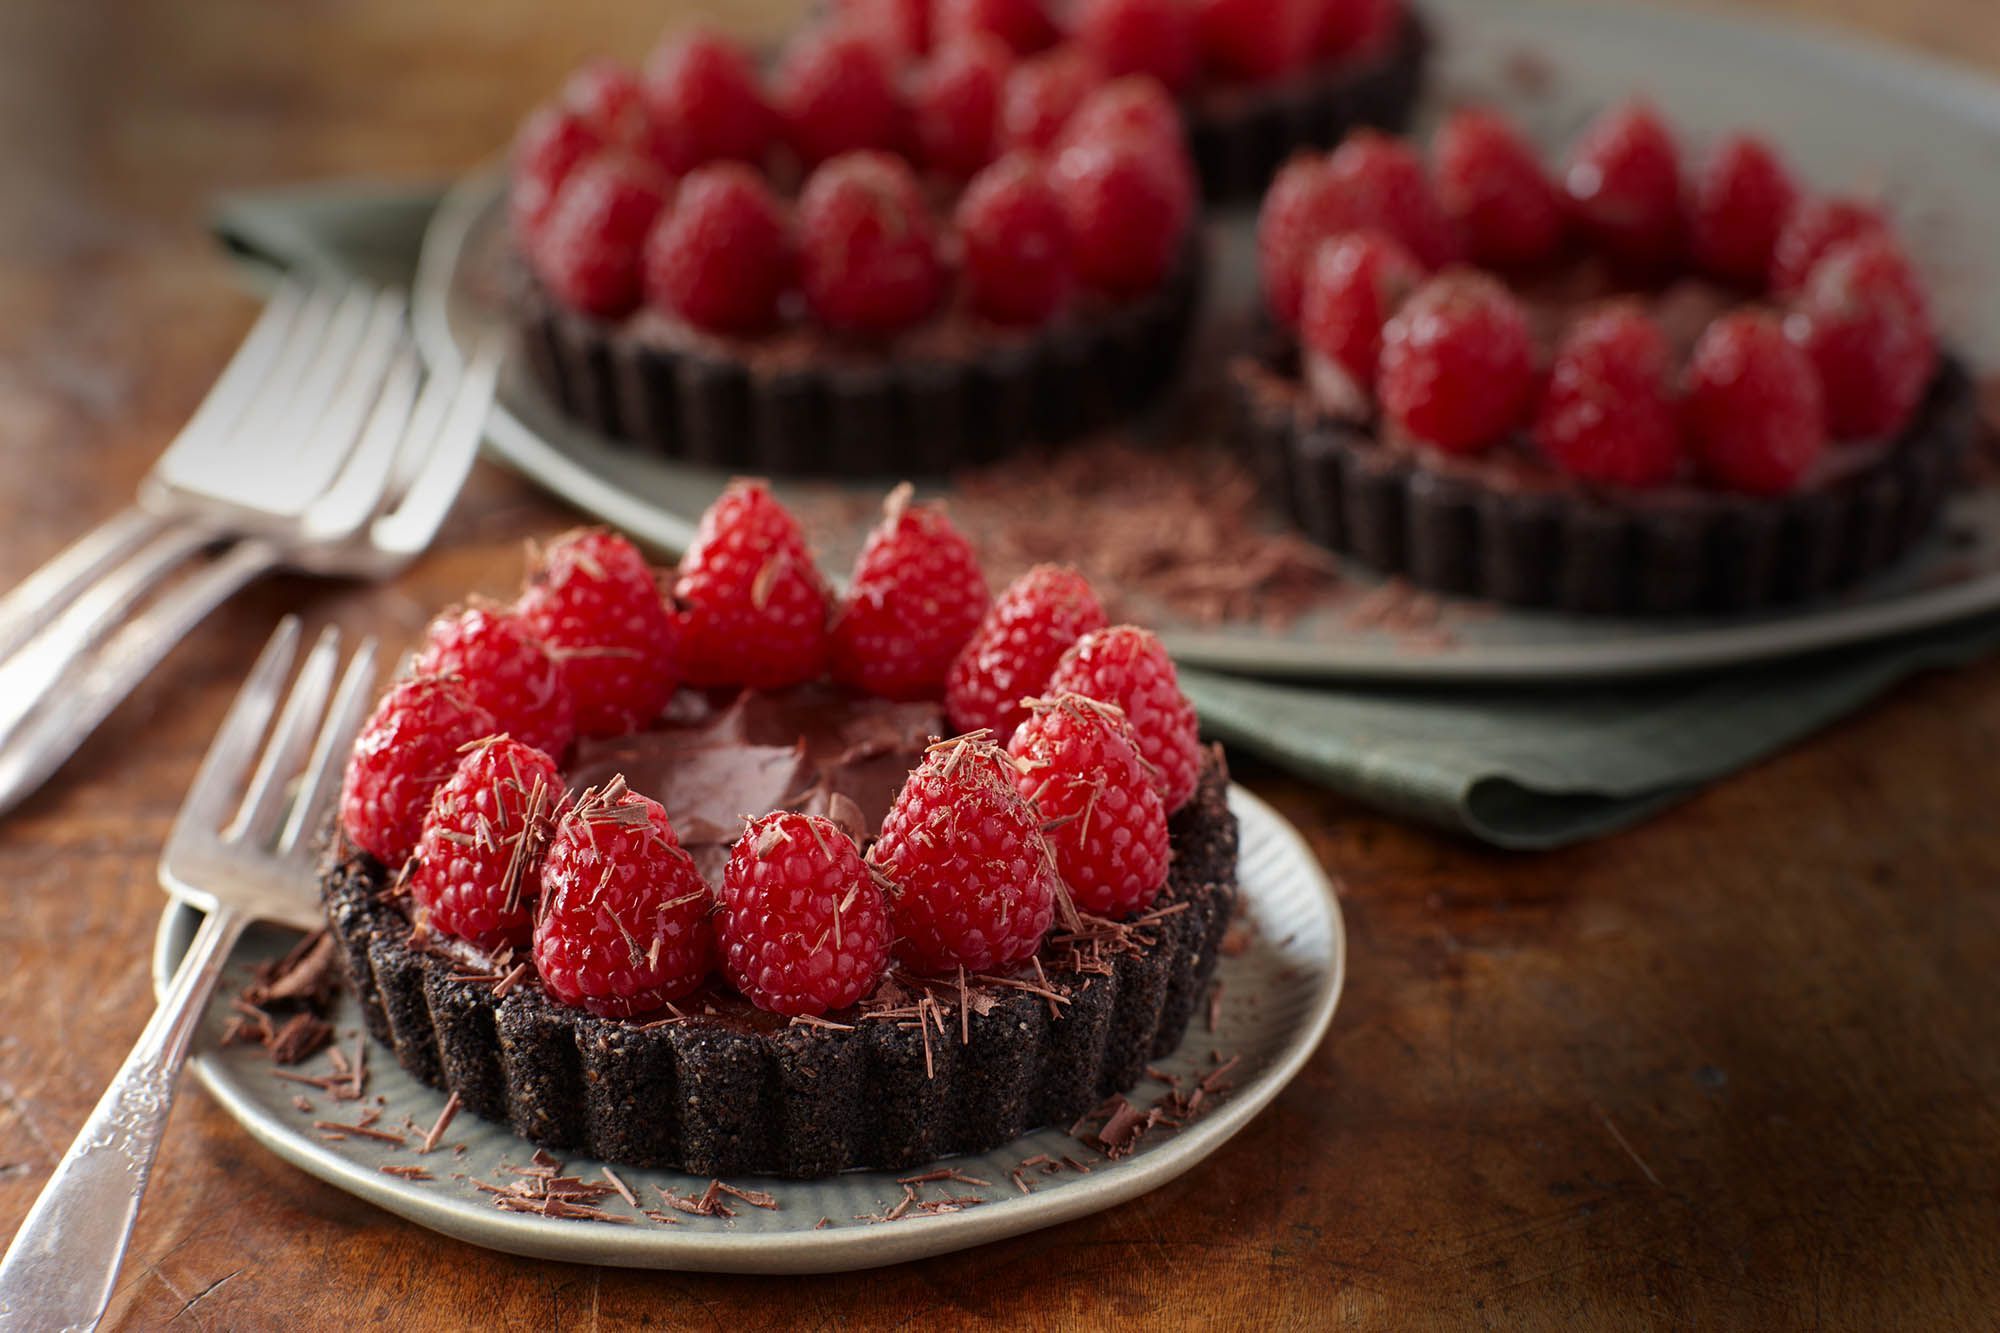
pixel 848 264
pixel 1629 387
pixel 794 895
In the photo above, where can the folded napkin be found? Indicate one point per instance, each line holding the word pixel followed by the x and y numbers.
pixel 1517 767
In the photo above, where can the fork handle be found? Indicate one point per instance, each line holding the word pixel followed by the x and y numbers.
pixel 38 599
pixel 60 1269
pixel 40 743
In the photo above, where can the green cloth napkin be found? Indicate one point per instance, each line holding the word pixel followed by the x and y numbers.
pixel 1519 768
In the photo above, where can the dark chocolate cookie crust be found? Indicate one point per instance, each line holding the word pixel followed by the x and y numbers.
pixel 799 1101
pixel 1240 137
pixel 1584 551
pixel 860 413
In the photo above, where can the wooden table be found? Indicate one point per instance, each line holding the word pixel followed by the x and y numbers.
pixel 1735 1068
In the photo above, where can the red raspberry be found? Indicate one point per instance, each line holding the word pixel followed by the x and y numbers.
pixel 900 28
pixel 956 104
pixel 1379 182
pixel 1099 801
pixel 588 249
pixel 1624 189
pixel 837 93
pixel 1492 185
pixel 1133 106
pixel 1128 667
pixel 1358 280
pixel 702 93
pixel 1753 413
pixel 606 94
pixel 868 253
pixel 916 596
pixel 1016 647
pixel 595 603
pixel 1815 227
pixel 1869 341
pixel 405 752
pixel 1130 207
pixel 720 256
pixel 1042 94
pixel 1355 30
pixel 1458 364
pixel 1301 209
pixel 804 928
pixel 1153 37
pixel 1255 41
pixel 1606 414
pixel 548 146
pixel 508 671
pixel 1015 243
pixel 753 608
pixel 624 922
pixel 1023 24
pixel 1737 207
pixel 479 861
pixel 974 881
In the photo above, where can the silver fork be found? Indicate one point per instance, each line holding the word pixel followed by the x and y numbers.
pixel 242 850
pixel 401 457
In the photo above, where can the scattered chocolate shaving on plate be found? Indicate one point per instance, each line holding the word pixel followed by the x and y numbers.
pixel 411 1172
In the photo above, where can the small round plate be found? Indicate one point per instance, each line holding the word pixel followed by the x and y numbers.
pixel 1853 118
pixel 1277 998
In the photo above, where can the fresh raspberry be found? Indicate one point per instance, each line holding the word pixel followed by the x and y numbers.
pixel 1458 364
pixel 702 93
pixel 720 256
pixel 1624 189
pixel 548 146
pixel 1015 242
pixel 606 94
pixel 1255 41
pixel 1354 30
pixel 1301 209
pixel 588 249
pixel 804 928
pixel 868 251
pixel 595 603
pixel 1869 341
pixel 1128 667
pixel 1153 37
pixel 1129 206
pixel 1606 414
pixel 1738 205
pixel 1379 182
pixel 1023 24
pixel 624 924
pixel 900 28
pixel 1753 413
pixel 408 748
pixel 1815 227
pixel 1042 94
pixel 836 93
pixel 1099 801
pixel 1357 281
pixel 1016 647
pixel 479 862
pixel 753 608
pixel 955 103
pixel 1133 106
pixel 916 596
pixel 508 671
pixel 1492 185
pixel 974 881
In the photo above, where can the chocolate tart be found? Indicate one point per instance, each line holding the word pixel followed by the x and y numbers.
pixel 1508 528
pixel 917 1072
pixel 1241 135
pixel 949 393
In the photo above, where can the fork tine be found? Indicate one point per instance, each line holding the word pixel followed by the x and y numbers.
pixel 244 374
pixel 319 785
pixel 264 800
pixel 216 785
pixel 410 526
pixel 357 492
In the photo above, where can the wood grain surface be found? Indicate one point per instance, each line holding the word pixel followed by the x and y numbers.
pixel 1735 1069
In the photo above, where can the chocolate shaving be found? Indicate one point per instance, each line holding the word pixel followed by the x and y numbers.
pixel 409 1172
pixel 383 1135
pixel 624 1190
pixel 436 1131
